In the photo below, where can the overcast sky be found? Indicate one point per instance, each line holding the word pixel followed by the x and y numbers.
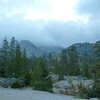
pixel 50 22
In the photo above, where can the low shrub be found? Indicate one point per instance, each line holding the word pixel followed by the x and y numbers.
pixel 17 84
pixel 92 92
pixel 27 78
pixel 43 85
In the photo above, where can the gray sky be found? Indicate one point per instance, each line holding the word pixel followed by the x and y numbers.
pixel 50 22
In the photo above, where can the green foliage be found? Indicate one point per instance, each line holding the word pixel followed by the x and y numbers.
pixel 94 91
pixel 58 69
pixel 18 61
pixel 85 67
pixel 4 57
pixel 2 71
pixel 43 85
pixel 13 61
pixel 28 78
pixel 86 71
pixel 64 62
pixel 25 62
pixel 40 78
pixel 17 84
pixel 67 64
pixel 74 63
pixel 12 50
pixel 96 68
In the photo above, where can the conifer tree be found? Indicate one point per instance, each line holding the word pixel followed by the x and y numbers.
pixel 40 78
pixel 85 66
pixel 5 56
pixel 74 64
pixel 18 60
pixel 97 59
pixel 12 50
pixel 58 68
pixel 25 61
pixel 64 62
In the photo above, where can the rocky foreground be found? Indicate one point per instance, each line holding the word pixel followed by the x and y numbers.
pixel 29 94
pixel 66 89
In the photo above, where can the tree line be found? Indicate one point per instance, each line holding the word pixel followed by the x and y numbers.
pixel 15 63
pixel 69 63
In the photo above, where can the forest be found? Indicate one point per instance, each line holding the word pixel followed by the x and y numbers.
pixel 36 72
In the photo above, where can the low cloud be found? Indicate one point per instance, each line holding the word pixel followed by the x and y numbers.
pixel 50 32
pixel 91 9
pixel 45 32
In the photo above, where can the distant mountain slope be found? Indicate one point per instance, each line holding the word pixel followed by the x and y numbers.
pixel 51 49
pixel 31 49
pixel 83 48
pixel 36 51
pixel 85 52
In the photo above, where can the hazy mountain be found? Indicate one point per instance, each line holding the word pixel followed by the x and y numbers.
pixel 51 49
pixel 36 51
pixel 83 48
pixel 84 51
pixel 31 49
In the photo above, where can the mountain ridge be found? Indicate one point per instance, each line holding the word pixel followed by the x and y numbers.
pixel 37 51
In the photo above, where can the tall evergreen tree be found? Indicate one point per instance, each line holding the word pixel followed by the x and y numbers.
pixel 40 78
pixel 25 61
pixel 5 56
pixel 74 64
pixel 85 68
pixel 5 50
pixel 97 59
pixel 64 62
pixel 12 50
pixel 58 68
pixel 18 60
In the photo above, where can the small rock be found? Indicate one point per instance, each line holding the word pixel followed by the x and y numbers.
pixel 62 84
pixel 54 77
pixel 59 90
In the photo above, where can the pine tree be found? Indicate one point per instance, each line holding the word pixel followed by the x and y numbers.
pixel 85 66
pixel 61 65
pixel 40 78
pixel 25 61
pixel 18 61
pixel 97 59
pixel 5 50
pixel 5 56
pixel 58 68
pixel 64 62
pixel 74 64
pixel 12 50
pixel 2 67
